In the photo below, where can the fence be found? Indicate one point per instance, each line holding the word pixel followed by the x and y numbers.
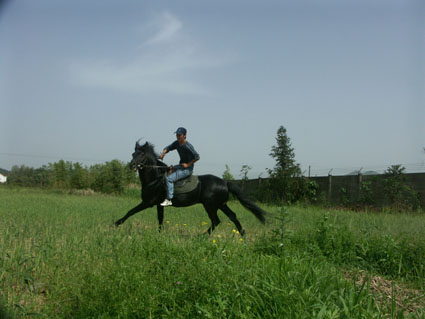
pixel 350 188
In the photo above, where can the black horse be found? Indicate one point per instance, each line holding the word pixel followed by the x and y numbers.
pixel 212 192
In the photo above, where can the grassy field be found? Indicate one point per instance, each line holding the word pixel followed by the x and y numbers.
pixel 60 257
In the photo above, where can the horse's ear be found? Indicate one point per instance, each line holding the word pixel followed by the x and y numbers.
pixel 137 143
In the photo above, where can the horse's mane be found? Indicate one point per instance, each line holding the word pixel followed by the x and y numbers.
pixel 150 152
pixel 150 149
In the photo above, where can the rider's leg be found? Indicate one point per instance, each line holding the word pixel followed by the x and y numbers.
pixel 169 181
pixel 174 177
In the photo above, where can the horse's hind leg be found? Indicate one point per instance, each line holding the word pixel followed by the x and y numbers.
pixel 232 216
pixel 160 211
pixel 212 214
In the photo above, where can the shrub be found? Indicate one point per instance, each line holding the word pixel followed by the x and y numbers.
pixel 400 195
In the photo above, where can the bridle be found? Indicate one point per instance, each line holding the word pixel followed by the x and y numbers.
pixel 141 166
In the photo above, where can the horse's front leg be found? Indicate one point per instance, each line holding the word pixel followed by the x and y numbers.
pixel 131 212
pixel 160 210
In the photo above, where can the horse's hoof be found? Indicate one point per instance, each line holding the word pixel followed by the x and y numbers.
pixel 242 232
pixel 117 223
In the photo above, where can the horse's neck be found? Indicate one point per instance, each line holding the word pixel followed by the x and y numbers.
pixel 149 176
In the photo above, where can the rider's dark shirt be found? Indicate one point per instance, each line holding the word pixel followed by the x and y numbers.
pixel 186 152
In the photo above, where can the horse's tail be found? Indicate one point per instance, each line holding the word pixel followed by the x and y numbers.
pixel 248 204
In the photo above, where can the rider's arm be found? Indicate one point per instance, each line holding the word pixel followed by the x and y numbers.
pixel 186 165
pixel 163 153
pixel 170 147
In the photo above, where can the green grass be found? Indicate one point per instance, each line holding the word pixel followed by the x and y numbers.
pixel 60 257
pixel 388 244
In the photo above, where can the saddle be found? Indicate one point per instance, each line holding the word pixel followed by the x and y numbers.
pixel 186 185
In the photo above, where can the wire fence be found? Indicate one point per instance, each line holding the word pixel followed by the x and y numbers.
pixel 206 167
pixel 313 171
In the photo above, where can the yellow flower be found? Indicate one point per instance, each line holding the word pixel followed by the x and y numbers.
pixel 214 241
pixel 168 222
pixel 237 232
pixel 240 240
pixel 234 231
pixel 177 225
pixel 185 225
pixel 219 236
pixel 204 223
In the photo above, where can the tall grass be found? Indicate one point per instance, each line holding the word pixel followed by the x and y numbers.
pixel 62 258
pixel 388 244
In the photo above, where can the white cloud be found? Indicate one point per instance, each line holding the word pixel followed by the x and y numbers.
pixel 169 27
pixel 166 62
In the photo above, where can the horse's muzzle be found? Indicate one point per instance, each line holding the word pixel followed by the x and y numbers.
pixel 133 166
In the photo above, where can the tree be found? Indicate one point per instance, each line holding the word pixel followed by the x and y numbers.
pixel 21 176
pixel 61 175
pixel 284 183
pixel 227 175
pixel 43 176
pixel 283 153
pixel 79 176
pixel 115 170
pixel 108 178
pixel 244 172
pixel 130 177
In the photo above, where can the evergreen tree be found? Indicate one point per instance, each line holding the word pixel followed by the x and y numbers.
pixel 284 183
pixel 283 153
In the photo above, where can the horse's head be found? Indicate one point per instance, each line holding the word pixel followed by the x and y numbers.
pixel 143 155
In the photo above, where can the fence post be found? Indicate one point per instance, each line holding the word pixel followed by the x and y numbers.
pixel 359 183
pixel 329 186
pixel 360 180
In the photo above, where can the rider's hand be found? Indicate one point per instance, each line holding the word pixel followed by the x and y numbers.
pixel 171 169
pixel 162 154
pixel 184 165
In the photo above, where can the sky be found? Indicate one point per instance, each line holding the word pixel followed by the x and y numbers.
pixel 84 80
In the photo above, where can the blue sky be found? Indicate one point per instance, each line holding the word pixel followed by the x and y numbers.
pixel 83 80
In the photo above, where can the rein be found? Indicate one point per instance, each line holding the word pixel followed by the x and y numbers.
pixel 141 166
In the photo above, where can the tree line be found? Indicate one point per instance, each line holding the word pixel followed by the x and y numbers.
pixel 110 177
pixel 286 183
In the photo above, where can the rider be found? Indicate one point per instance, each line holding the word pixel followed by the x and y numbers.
pixel 188 157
